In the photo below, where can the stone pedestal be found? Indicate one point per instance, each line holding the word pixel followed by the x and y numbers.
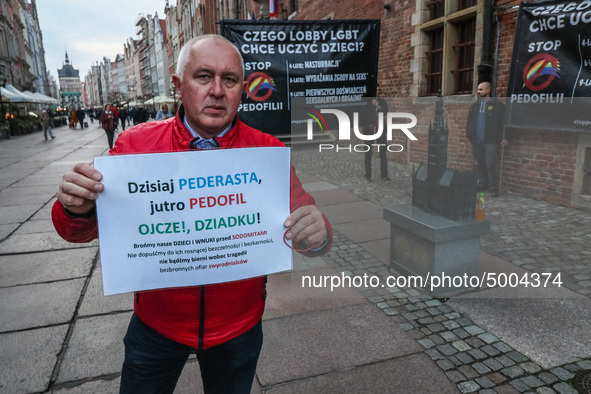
pixel 423 244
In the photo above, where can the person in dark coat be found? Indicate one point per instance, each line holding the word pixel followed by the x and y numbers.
pixel 80 114
pixel 122 117
pixel 484 130
pixel 381 107
pixel 108 121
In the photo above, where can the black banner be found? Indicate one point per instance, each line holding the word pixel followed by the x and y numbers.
pixel 311 59
pixel 550 81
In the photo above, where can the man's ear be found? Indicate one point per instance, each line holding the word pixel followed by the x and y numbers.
pixel 177 84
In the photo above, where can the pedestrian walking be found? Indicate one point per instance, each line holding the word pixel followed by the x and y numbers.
pixel 116 113
pixel 73 118
pixel 122 117
pixel 108 122
pixel 46 123
pixel 80 114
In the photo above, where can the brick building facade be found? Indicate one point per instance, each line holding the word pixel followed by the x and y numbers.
pixel 547 165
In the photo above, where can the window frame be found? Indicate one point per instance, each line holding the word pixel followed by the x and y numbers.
pixel 435 77
pixel 456 13
pixel 461 48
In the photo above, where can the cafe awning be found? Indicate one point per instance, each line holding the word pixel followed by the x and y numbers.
pixel 43 98
pixel 7 94
pixel 18 96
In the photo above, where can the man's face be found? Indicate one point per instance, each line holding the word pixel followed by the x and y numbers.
pixel 483 90
pixel 211 87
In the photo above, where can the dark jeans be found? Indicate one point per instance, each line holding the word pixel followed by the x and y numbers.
pixel 153 363
pixel 110 137
pixel 47 130
pixel 487 168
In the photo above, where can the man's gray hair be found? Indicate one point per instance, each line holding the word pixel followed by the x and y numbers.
pixel 183 59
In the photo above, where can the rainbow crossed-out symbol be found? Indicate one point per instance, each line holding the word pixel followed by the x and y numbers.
pixel 259 86
pixel 317 117
pixel 538 67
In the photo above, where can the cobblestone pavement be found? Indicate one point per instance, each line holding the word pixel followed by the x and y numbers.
pixel 534 235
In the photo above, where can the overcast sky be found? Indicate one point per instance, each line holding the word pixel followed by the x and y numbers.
pixel 89 29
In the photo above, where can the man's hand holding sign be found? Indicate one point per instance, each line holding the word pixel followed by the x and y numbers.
pixel 79 189
pixel 308 229
pixel 211 320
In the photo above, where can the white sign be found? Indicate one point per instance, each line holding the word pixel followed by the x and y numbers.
pixel 192 218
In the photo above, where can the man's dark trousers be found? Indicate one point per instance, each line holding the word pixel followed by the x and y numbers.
pixel 487 169
pixel 153 363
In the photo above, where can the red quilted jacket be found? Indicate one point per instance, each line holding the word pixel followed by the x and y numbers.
pixel 201 316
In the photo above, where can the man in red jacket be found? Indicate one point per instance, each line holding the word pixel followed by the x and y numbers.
pixel 220 323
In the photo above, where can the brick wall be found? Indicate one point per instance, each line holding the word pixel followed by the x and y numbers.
pixel 342 9
pixel 396 52
pixel 507 21
pixel 539 164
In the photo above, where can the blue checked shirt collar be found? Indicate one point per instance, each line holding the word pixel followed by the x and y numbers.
pixel 204 143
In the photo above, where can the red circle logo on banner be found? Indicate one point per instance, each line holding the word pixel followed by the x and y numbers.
pixel 540 71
